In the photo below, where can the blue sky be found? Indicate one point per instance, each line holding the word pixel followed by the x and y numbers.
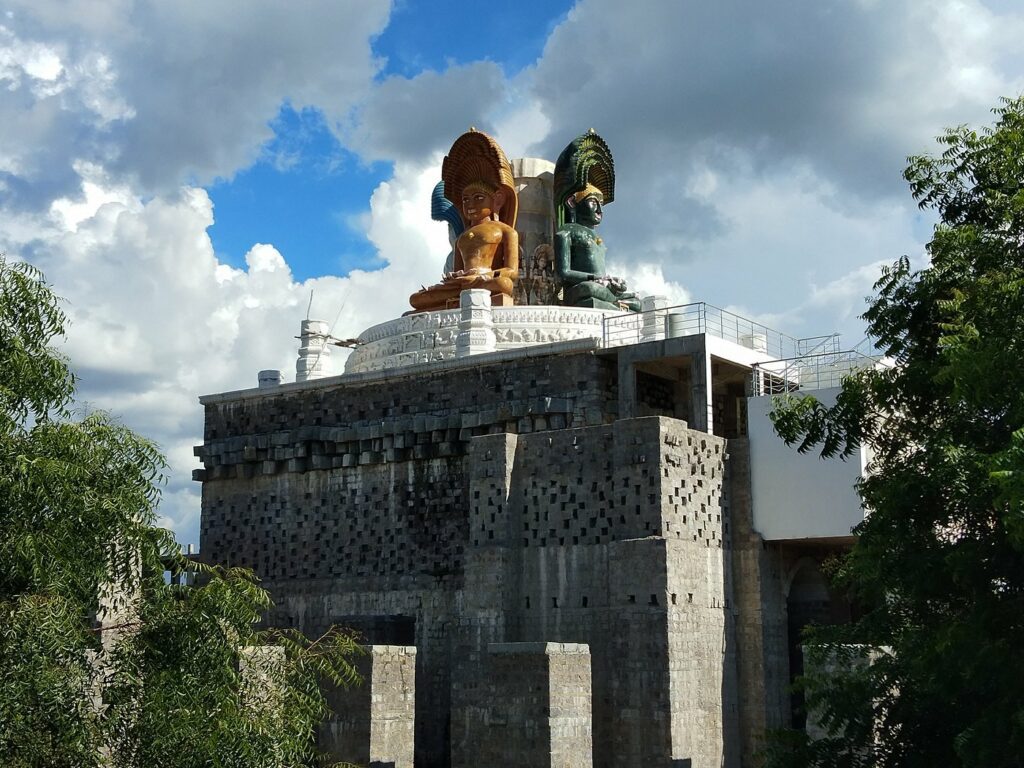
pixel 305 195
pixel 434 35
pixel 306 191
pixel 187 175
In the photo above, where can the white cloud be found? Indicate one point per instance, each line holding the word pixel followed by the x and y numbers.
pixel 43 64
pixel 758 153
pixel 156 319
pixel 19 59
pixel 758 150
pixel 69 212
pixel 412 118
pixel 648 279
pixel 167 93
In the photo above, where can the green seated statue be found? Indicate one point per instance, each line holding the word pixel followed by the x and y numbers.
pixel 584 183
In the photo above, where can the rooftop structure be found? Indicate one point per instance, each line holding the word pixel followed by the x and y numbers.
pixel 568 531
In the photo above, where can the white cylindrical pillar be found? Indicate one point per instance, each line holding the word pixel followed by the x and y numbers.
pixel 313 351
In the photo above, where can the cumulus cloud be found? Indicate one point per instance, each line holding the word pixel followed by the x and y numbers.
pixel 409 118
pixel 166 93
pixel 829 83
pixel 758 153
pixel 156 319
pixel 784 239
pixel 104 111
pixel 758 150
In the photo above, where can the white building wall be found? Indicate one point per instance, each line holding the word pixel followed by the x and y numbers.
pixel 794 495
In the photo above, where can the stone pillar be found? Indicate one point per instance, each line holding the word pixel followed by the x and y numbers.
pixel 313 351
pixel 119 600
pixel 476 328
pixel 490 581
pixel 261 669
pixel 762 658
pixel 701 406
pixel 539 711
pixel 653 308
pixel 374 724
pixel 538 283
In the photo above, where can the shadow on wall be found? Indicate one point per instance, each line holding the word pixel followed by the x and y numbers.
pixel 809 601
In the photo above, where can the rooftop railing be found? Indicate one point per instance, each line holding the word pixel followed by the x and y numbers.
pixel 790 364
pixel 809 372
pixel 700 317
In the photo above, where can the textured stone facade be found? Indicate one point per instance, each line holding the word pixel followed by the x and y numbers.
pixel 373 724
pixel 538 711
pixel 508 500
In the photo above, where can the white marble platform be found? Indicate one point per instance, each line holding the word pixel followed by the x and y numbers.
pixel 428 336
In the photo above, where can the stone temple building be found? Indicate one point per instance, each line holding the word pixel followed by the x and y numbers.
pixel 568 534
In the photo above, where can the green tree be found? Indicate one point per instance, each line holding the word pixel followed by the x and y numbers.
pixel 938 564
pixel 78 548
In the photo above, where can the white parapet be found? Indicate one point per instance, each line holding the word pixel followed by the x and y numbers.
pixel 653 309
pixel 426 337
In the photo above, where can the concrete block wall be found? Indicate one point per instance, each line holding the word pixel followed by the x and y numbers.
pixel 373 723
pixel 614 536
pixel 374 520
pixel 538 713
pixel 500 504
pixel 487 599
pixel 422 610
pixel 375 419
pixel 762 659
pixel 696 505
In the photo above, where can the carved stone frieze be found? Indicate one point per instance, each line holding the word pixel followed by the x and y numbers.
pixel 429 336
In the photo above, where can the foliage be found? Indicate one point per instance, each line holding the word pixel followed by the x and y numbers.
pixel 165 686
pixel 939 561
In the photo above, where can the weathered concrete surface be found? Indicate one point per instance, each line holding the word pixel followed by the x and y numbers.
pixel 537 709
pixel 512 504
pixel 373 723
pixel 761 636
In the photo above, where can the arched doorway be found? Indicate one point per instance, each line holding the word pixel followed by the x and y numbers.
pixel 809 600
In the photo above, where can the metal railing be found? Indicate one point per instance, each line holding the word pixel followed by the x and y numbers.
pixel 818 345
pixel 790 364
pixel 808 372
pixel 619 330
pixel 700 317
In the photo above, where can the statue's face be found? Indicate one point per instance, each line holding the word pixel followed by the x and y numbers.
pixel 478 203
pixel 588 211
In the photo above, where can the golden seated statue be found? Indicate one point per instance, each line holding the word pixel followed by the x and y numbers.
pixel 478 179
